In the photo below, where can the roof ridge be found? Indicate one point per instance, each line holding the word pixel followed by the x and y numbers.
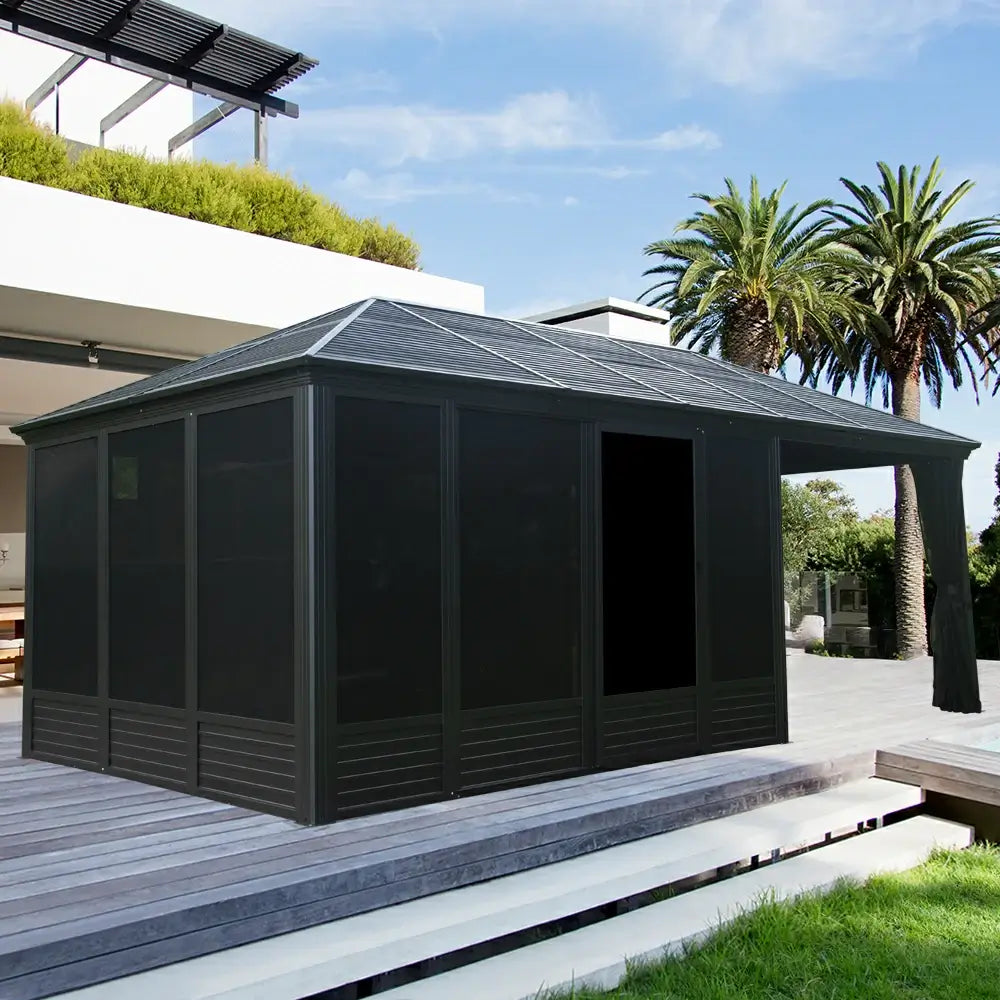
pixel 337 328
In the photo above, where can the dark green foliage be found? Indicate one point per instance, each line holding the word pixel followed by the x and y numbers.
pixel 809 514
pixel 248 198
pixel 752 279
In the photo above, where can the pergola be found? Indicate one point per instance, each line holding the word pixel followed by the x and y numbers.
pixel 170 46
pixel 397 553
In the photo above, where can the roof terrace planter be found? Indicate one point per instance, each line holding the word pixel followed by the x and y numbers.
pixel 397 553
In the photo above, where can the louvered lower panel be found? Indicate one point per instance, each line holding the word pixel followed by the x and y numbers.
pixel 649 727
pixel 243 764
pixel 744 714
pixel 520 744
pixel 65 730
pixel 148 746
pixel 382 766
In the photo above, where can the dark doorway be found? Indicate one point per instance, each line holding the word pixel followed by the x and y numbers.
pixel 648 588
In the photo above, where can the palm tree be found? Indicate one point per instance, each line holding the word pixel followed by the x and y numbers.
pixel 928 284
pixel 752 281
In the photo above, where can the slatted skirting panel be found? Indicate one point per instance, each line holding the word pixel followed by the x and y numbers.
pixel 148 746
pixel 648 727
pixel 385 765
pixel 520 743
pixel 248 765
pixel 744 714
pixel 65 731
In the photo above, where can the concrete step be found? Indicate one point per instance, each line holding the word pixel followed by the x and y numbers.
pixel 304 962
pixel 595 956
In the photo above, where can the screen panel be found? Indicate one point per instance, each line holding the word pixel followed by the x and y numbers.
pixel 387 564
pixel 519 536
pixel 647 514
pixel 741 543
pixel 64 587
pixel 146 564
pixel 246 561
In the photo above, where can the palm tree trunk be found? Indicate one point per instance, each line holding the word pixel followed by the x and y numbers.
pixel 749 339
pixel 911 618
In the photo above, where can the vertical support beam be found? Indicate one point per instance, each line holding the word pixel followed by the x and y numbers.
pixel 191 598
pixel 304 485
pixel 451 691
pixel 103 602
pixel 942 516
pixel 703 609
pixel 260 137
pixel 325 677
pixel 778 590
pixel 589 538
pixel 29 609
pixel 51 84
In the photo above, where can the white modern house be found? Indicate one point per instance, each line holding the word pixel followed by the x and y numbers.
pixel 95 294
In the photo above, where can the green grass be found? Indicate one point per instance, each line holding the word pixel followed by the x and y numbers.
pixel 929 934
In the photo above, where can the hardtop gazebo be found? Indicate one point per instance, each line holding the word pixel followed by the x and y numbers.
pixel 399 553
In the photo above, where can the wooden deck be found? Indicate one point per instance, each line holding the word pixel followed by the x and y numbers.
pixel 100 876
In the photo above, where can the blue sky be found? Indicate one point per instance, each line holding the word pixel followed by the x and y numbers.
pixel 535 146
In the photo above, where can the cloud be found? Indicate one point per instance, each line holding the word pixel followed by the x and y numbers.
pixel 749 44
pixel 570 201
pixel 547 121
pixel 395 187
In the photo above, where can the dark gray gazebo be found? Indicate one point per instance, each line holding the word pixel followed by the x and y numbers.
pixel 398 553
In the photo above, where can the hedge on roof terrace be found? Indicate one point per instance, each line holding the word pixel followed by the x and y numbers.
pixel 249 198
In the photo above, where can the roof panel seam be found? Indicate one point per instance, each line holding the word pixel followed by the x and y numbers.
pixel 594 361
pixel 699 378
pixel 482 347
pixel 766 380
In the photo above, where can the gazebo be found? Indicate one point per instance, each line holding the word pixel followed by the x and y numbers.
pixel 396 554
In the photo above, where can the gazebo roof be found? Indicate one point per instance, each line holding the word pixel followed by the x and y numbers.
pixel 392 336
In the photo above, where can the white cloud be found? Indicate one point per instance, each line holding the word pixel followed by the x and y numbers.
pixel 570 201
pixel 750 44
pixel 548 121
pixel 399 186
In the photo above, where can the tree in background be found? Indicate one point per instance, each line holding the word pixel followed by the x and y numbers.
pixel 810 514
pixel 926 282
pixel 752 280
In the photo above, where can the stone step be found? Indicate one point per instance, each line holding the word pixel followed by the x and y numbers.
pixel 595 957
pixel 319 958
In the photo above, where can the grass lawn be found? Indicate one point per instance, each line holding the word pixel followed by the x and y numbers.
pixel 929 934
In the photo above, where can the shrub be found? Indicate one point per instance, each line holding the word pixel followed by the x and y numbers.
pixel 30 152
pixel 248 198
pixel 817 647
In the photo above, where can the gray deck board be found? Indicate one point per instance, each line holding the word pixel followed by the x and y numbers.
pixel 946 767
pixel 101 876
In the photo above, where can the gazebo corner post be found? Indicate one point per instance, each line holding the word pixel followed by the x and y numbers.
pixel 942 517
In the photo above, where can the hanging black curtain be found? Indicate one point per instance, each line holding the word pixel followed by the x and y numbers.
pixel 942 517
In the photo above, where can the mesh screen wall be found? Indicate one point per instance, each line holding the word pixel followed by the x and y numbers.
pixel 387 559
pixel 64 636
pixel 146 564
pixel 519 534
pixel 245 561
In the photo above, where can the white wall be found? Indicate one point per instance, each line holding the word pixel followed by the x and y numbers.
pixel 613 318
pixel 119 255
pixel 89 94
